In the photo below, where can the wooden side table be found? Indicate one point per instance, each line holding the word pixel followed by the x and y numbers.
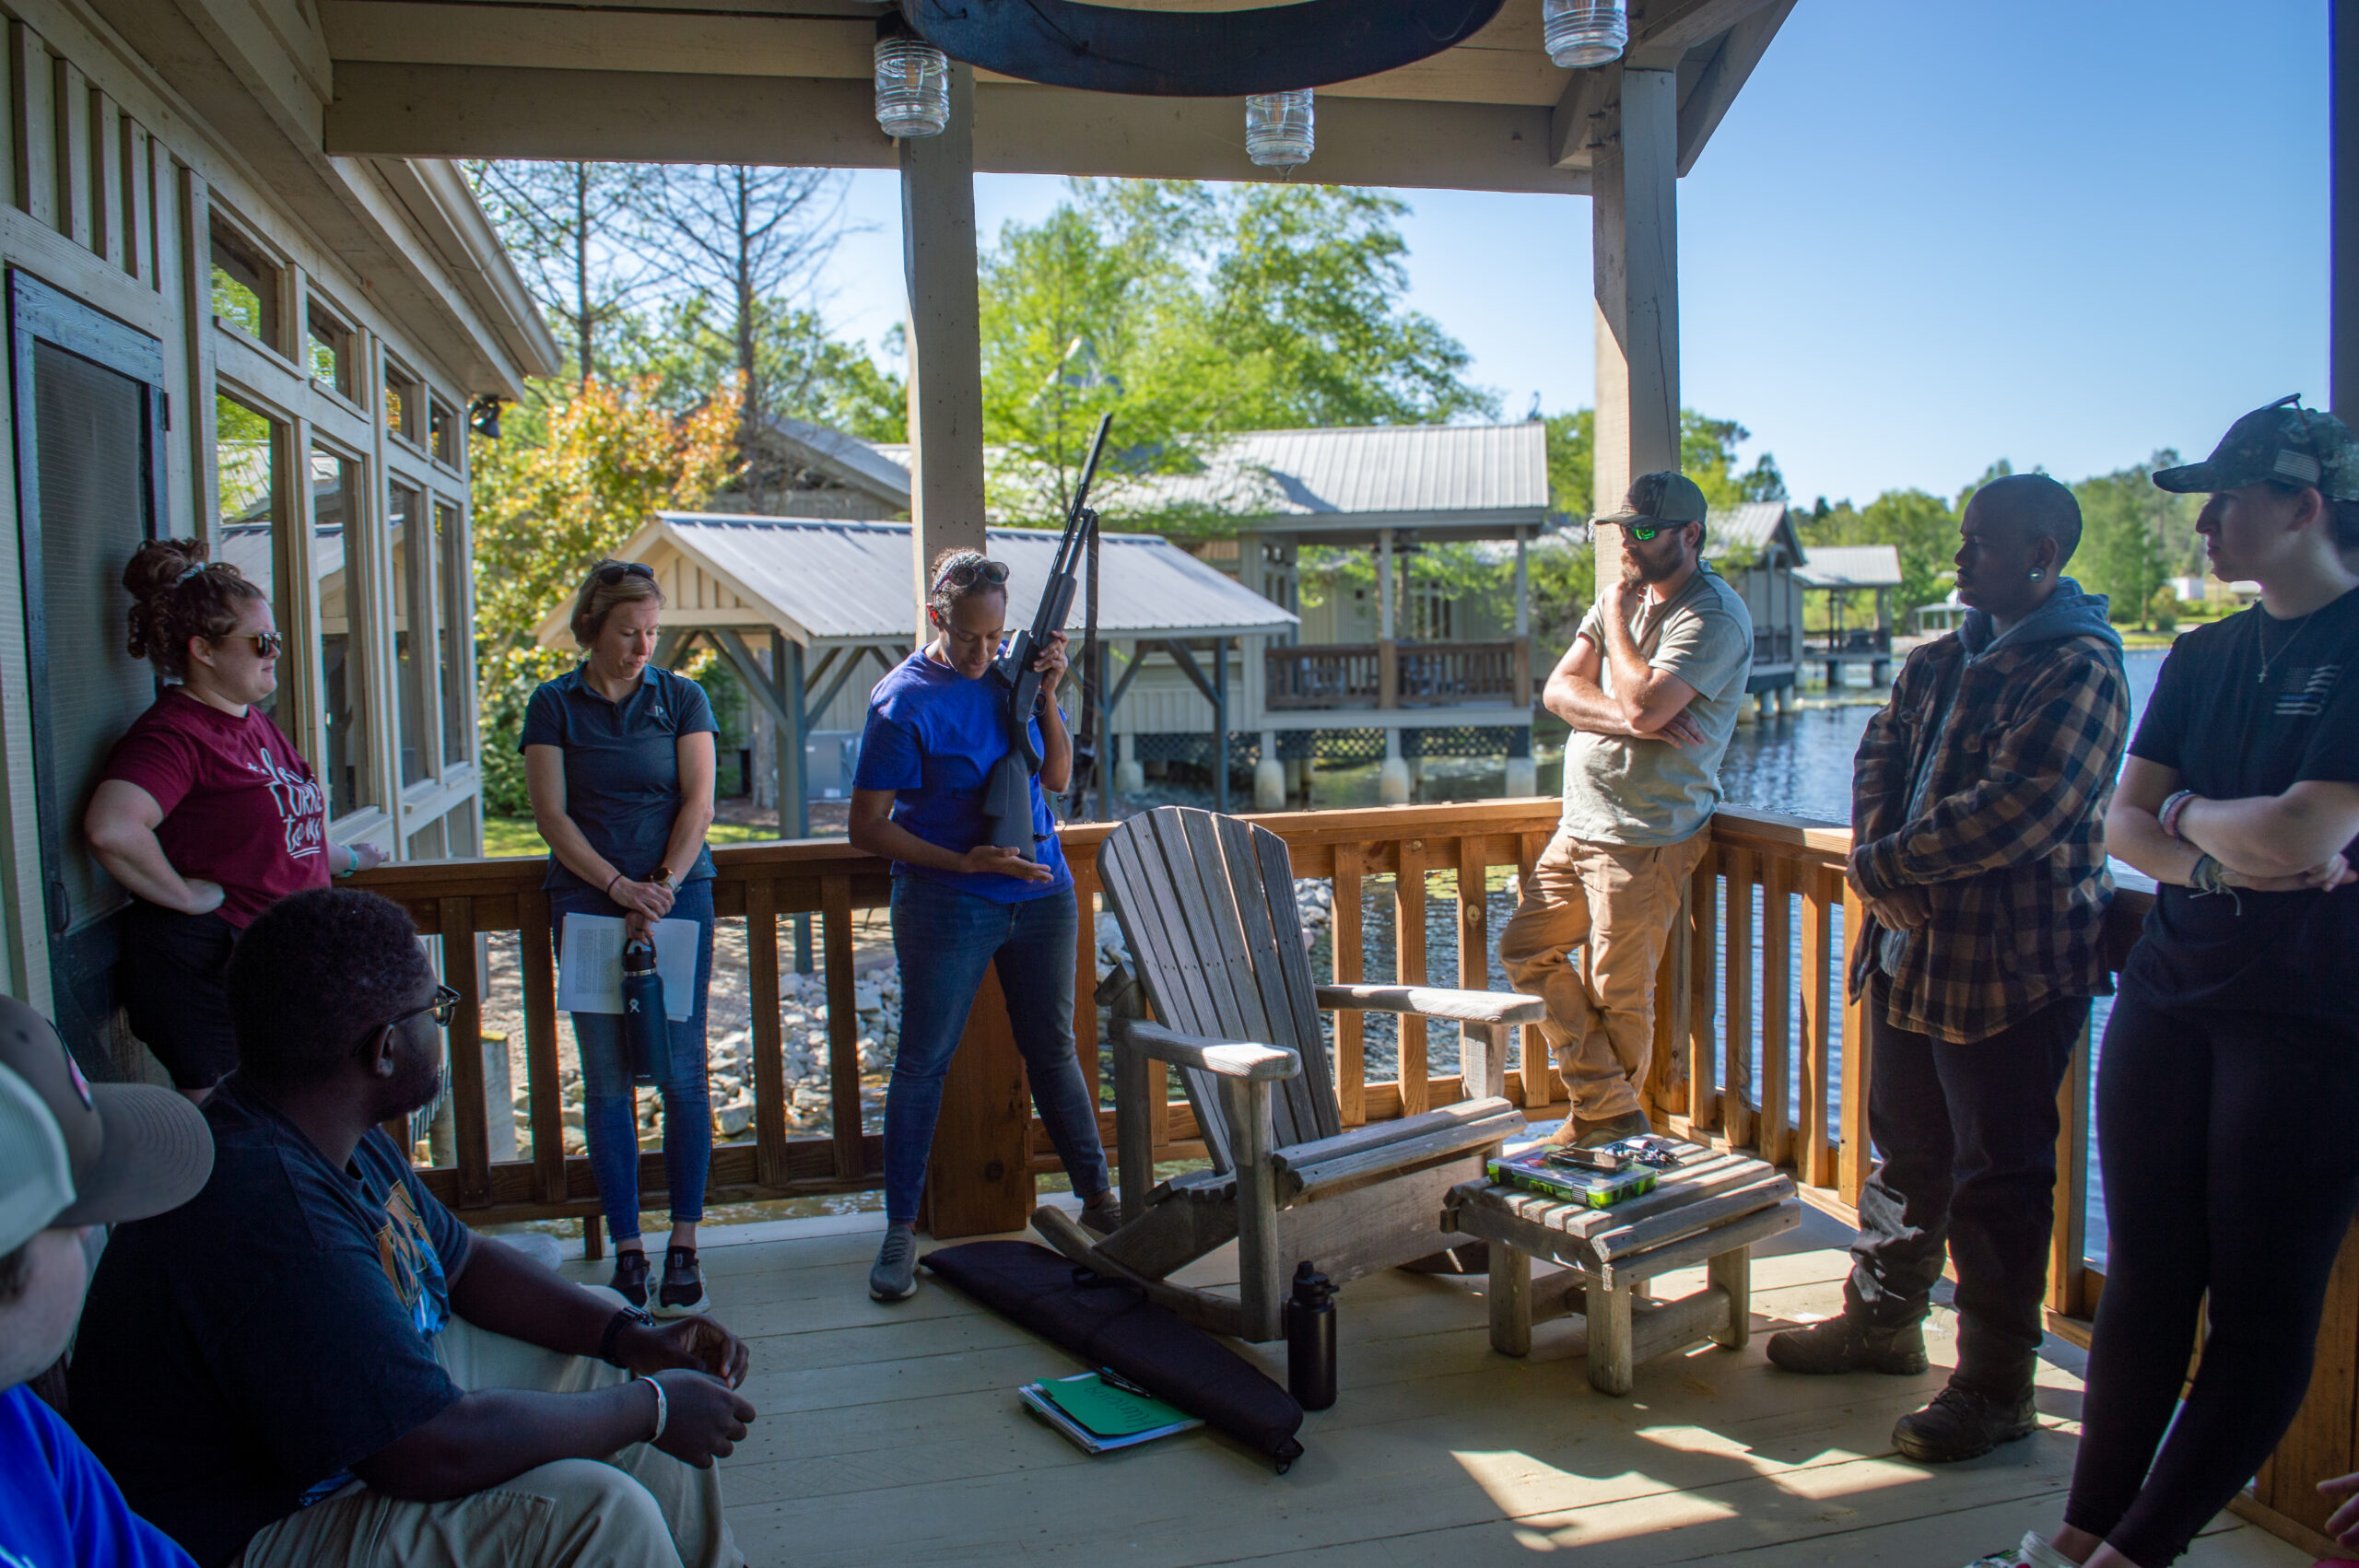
pixel 1710 1211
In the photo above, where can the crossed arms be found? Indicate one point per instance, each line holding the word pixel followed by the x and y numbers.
pixel 1647 704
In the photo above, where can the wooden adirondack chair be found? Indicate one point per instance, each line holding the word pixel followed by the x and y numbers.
pixel 1206 906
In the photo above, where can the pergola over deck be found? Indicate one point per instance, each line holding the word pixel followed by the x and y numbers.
pixel 1837 569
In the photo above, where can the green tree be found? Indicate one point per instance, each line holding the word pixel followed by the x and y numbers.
pixel 569 484
pixel 691 348
pixel 1190 312
pixel 2121 551
pixel 571 228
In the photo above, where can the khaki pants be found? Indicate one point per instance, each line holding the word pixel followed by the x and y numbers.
pixel 1617 905
pixel 638 1509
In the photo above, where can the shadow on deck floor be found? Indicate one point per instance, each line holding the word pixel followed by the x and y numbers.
pixel 893 1435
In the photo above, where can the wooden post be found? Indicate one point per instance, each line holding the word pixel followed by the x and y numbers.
pixel 2068 1243
pixel 1856 1156
pixel 979 1180
pixel 2342 92
pixel 944 337
pixel 1388 652
pixel 1220 725
pixel 1523 625
pixel 793 778
pixel 1634 226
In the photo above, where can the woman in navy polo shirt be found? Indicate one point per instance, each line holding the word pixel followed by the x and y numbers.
pixel 935 729
pixel 619 758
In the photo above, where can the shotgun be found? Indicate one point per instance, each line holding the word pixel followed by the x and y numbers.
pixel 1007 794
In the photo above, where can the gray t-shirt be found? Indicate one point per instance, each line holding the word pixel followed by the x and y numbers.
pixel 1642 794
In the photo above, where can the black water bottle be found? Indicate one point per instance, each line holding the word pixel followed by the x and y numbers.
pixel 1310 1339
pixel 647 1034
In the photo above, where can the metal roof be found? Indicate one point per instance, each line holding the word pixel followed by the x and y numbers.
pixel 1850 565
pixel 1753 523
pixel 845 457
pixel 1440 473
pixel 821 580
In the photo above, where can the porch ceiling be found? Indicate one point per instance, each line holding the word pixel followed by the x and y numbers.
pixel 788 81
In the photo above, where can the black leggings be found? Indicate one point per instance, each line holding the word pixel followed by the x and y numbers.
pixel 2230 1147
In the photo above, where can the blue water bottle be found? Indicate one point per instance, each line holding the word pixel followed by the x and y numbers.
pixel 646 1033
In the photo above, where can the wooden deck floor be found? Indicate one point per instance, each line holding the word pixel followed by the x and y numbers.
pixel 893 1435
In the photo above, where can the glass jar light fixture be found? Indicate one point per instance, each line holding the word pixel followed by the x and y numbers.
pixel 1278 128
pixel 912 86
pixel 1582 33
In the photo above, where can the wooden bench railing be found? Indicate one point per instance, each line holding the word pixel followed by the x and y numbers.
pixel 1439 674
pixel 1766 918
pixel 1323 675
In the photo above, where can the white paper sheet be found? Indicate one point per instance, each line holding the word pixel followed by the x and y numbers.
pixel 590 969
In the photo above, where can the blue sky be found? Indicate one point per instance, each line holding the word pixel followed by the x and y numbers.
pixel 1932 234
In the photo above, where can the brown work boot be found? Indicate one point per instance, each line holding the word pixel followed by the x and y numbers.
pixel 1612 1130
pixel 1846 1344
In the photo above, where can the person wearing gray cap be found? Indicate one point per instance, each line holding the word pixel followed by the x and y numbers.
pixel 1651 688
pixel 73 1156
pixel 2229 1082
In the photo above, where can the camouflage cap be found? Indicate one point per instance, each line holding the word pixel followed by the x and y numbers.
pixel 2285 442
pixel 1660 497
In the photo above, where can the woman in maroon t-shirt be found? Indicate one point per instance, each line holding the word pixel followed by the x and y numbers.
pixel 205 812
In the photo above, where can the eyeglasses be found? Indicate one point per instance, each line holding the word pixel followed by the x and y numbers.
pixel 613 572
pixel 266 644
pixel 444 1006
pixel 963 574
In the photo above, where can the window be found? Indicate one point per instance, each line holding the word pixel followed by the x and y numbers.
pixel 245 286
pixel 246 500
pixel 335 486
pixel 330 351
pixel 404 405
pixel 443 433
pixel 412 614
pixel 452 621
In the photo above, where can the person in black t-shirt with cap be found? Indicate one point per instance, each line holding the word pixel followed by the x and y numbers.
pixel 2229 1086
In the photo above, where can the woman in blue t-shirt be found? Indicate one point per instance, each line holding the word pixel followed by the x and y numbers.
pixel 935 726
pixel 619 758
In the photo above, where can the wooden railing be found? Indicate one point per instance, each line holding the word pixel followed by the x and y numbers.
pixel 1428 674
pixel 1439 674
pixel 1787 1080
pixel 1333 675
pixel 1774 646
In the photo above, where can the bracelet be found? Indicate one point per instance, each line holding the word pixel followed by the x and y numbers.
pixel 610 883
pixel 662 1408
pixel 2173 809
pixel 623 1317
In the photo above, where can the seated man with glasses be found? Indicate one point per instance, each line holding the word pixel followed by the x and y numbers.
pixel 314 1361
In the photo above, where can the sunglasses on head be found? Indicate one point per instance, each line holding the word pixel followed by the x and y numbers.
pixel 613 572
pixel 963 574
pixel 266 644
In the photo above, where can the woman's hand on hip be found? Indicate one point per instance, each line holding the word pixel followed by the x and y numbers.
pixel 204 896
pixel 999 861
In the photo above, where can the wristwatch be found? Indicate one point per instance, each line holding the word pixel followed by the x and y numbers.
pixel 614 1331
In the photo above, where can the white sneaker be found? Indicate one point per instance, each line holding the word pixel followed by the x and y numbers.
pixel 2034 1552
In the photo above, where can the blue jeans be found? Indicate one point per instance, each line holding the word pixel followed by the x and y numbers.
pixel 943 937
pixel 609 1104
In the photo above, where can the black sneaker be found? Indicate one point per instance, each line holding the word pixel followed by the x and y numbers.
pixel 683 1291
pixel 630 1276
pixel 1962 1423
pixel 1844 1344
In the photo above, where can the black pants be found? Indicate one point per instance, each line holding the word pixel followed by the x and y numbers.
pixel 2230 1144
pixel 175 985
pixel 1967 1139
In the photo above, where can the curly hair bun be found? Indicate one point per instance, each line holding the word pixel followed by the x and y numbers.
pixel 177 594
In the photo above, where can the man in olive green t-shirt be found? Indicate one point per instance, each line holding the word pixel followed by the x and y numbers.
pixel 1651 688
